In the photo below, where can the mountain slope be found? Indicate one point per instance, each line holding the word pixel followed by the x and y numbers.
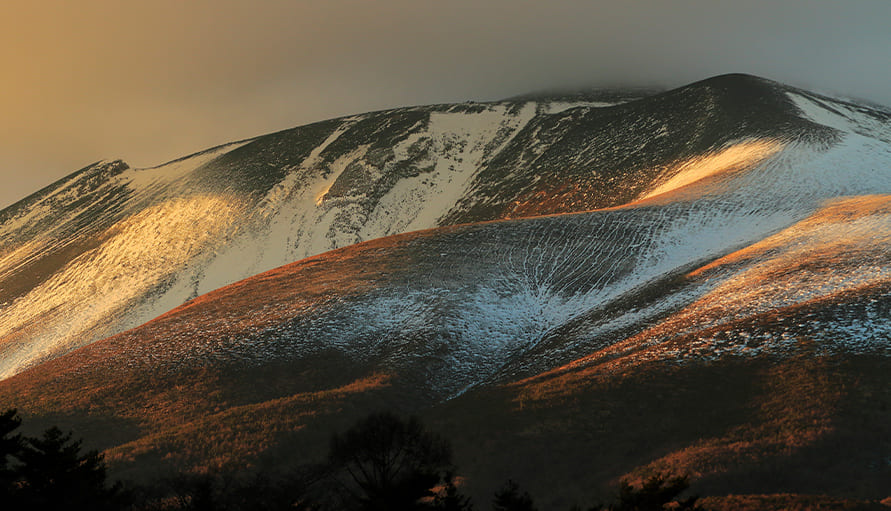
pixel 753 244
pixel 111 247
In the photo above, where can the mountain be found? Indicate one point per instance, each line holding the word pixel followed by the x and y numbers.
pixel 111 247
pixel 695 280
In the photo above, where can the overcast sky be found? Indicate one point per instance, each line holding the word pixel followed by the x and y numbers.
pixel 149 81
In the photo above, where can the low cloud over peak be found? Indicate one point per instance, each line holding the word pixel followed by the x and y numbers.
pixel 148 82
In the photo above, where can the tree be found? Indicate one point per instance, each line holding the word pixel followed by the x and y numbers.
pixel 449 499
pixel 10 448
pixel 390 463
pixel 55 475
pixel 509 498
pixel 654 494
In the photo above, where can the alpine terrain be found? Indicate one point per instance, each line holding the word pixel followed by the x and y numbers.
pixel 573 288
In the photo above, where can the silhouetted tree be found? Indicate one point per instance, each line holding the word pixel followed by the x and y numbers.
pixel 10 449
pixel 55 475
pixel 654 494
pixel 390 463
pixel 509 498
pixel 449 499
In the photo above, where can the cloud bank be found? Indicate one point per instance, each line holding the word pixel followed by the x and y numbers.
pixel 152 81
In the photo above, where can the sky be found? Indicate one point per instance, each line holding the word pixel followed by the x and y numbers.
pixel 150 81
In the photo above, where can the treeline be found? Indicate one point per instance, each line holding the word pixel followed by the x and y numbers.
pixel 381 463
pixel 50 472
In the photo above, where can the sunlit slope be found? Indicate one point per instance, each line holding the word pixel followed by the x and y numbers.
pixel 822 284
pixel 760 257
pixel 461 306
pixel 111 247
pixel 747 228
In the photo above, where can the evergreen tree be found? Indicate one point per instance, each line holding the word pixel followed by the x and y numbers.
pixel 55 475
pixel 654 494
pixel 450 499
pixel 10 449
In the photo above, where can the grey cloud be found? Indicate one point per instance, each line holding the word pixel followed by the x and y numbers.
pixel 150 81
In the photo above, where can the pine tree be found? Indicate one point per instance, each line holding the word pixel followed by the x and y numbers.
pixel 10 449
pixel 654 494
pixel 55 475
pixel 450 499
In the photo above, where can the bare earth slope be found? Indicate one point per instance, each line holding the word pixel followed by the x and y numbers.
pixel 716 303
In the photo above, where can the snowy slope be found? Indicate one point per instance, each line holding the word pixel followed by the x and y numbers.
pixel 749 227
pixel 111 247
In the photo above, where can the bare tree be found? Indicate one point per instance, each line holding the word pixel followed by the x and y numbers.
pixel 390 463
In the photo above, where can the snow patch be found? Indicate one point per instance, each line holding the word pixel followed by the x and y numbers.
pixel 140 179
pixel 743 153
pixel 85 297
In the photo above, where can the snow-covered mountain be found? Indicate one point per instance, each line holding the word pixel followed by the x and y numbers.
pixel 504 245
pixel 111 247
pixel 757 224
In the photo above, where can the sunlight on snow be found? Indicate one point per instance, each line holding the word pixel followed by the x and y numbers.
pixel 810 260
pixel 741 154
pixel 138 254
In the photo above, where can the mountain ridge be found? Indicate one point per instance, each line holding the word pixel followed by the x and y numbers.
pixel 749 238
pixel 308 189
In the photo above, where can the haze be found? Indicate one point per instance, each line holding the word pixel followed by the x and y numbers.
pixel 150 81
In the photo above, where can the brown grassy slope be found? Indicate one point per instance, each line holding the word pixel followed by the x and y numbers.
pixel 194 336
pixel 157 386
pixel 806 425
